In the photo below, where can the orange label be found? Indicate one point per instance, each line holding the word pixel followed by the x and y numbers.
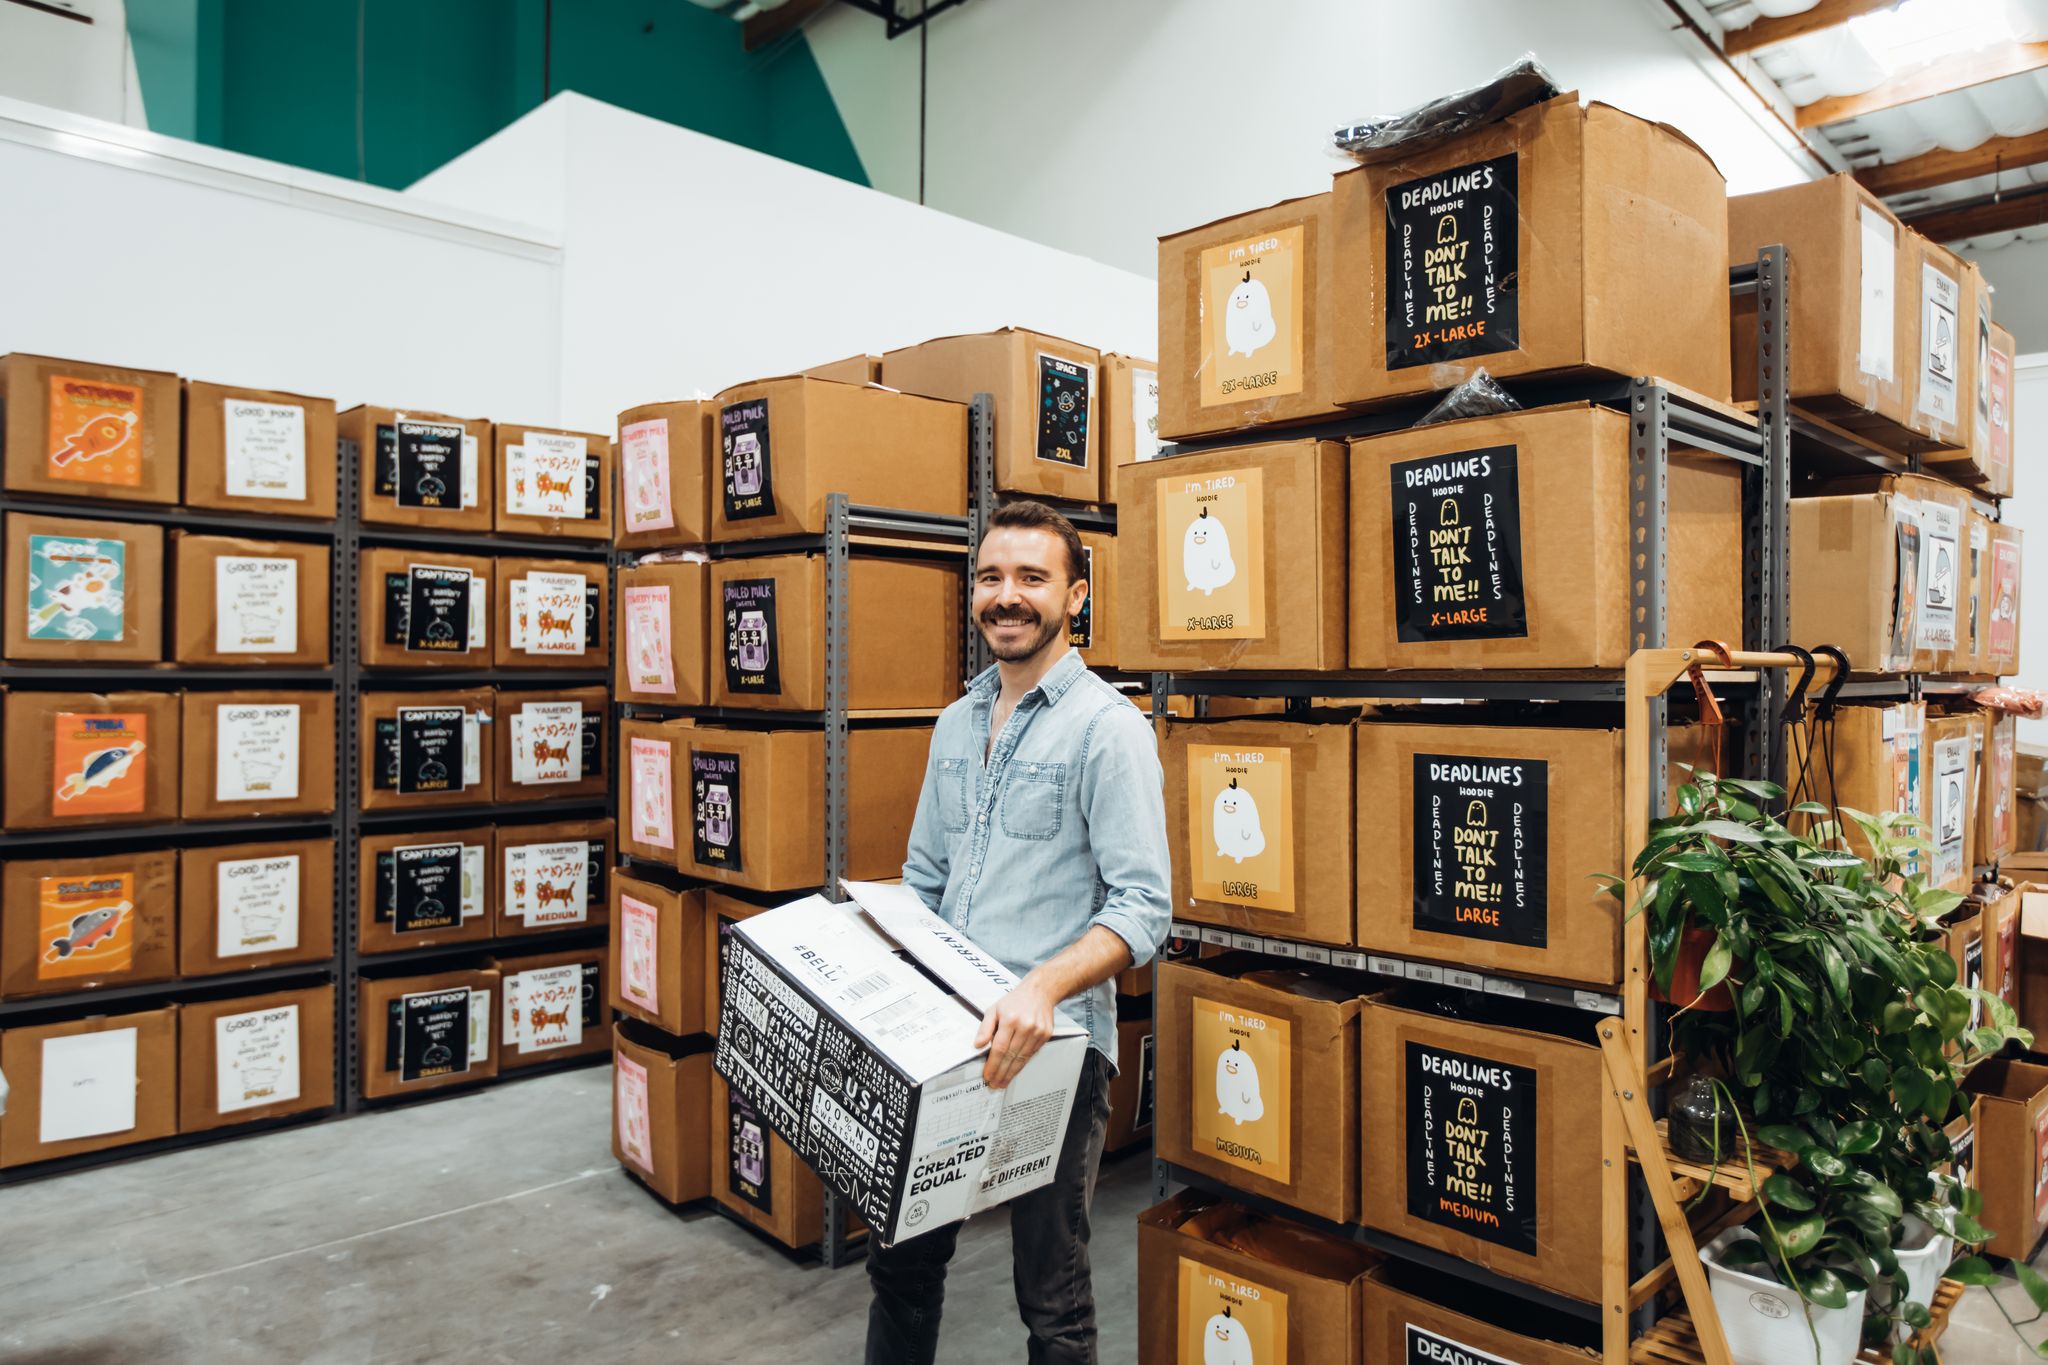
pixel 98 763
pixel 87 925
pixel 1251 317
pixel 1241 825
pixel 1212 556
pixel 1241 1086
pixel 1225 1320
pixel 95 431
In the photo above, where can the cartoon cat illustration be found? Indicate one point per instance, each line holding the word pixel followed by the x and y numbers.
pixel 1237 1085
pixel 1205 555
pixel 1225 1342
pixel 1248 318
pixel 1235 824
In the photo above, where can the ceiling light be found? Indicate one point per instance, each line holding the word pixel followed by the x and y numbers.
pixel 1921 31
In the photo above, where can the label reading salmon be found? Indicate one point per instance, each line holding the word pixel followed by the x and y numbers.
pixel 95 433
pixel 1458 547
pixel 1241 1084
pixel 1251 317
pixel 1472 1146
pixel 86 925
pixel 99 763
pixel 1452 248
pixel 1241 826
pixel 1481 847
pixel 1226 1320
pixel 1212 556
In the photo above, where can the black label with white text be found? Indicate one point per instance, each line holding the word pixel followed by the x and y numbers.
pixel 1063 411
pixel 1452 250
pixel 715 809
pixel 747 1174
pixel 429 464
pixel 1458 547
pixel 1472 1146
pixel 428 894
pixel 1481 847
pixel 747 480
pixel 752 659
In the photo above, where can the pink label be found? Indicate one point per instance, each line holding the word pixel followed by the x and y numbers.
pixel 654 819
pixel 650 660
pixel 639 932
pixel 2041 1168
pixel 643 459
pixel 1999 455
pixel 2005 600
pixel 629 1099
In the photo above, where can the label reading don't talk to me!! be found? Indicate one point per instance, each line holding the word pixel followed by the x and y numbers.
pixel 1458 547
pixel 1481 845
pixel 1452 250
pixel 1472 1145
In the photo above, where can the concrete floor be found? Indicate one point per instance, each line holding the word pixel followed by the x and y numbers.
pixel 497 1228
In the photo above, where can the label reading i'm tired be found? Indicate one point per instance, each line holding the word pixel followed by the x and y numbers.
pixel 1458 547
pixel 1472 1145
pixel 1481 847
pixel 1212 556
pixel 1241 825
pixel 1227 1320
pixel 1452 248
pixel 1251 318
pixel 1241 1085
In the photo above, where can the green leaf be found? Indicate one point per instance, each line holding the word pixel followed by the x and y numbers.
pixel 1798 1238
pixel 1697 860
pixel 1968 1229
pixel 1786 1137
pixel 1714 970
pixel 1885 1200
pixel 2031 1281
pixel 1786 1193
pixel 1825 1288
pixel 1911 1085
pixel 1858 1137
pixel 1975 1270
pixel 1823 1163
pixel 1729 830
pixel 1744 1253
pixel 1916 1315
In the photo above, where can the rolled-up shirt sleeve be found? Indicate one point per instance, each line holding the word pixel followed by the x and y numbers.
pixel 925 862
pixel 1123 800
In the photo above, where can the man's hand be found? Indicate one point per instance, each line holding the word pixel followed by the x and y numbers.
pixel 1014 1029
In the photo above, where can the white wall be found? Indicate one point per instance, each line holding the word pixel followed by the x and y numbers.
pixel 2018 273
pixel 2028 508
pixel 86 68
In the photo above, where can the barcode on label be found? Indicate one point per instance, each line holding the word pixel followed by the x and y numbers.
pixel 866 986
pixel 886 1017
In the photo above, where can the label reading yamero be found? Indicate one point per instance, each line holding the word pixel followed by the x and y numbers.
pixel 1212 556
pixel 747 483
pixel 1458 547
pixel 1063 388
pixel 715 809
pixel 1241 825
pixel 1240 1085
pixel 1472 1146
pixel 747 1175
pixel 1427 1348
pixel 752 662
pixel 1481 844
pixel 1452 249
pixel 1225 1320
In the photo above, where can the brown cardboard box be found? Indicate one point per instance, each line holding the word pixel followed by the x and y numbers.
pixel 1263 588
pixel 855 369
pixel 1093 632
pixel 653 811
pixel 752 804
pixel 451 481
pixel 258 603
pixel 1948 774
pixel 244 907
pixel 659 947
pixel 265 1055
pixel 2012 1151
pixel 1129 408
pixel 103 580
pixel 1944 292
pixel 458 913
pixel 1530 1208
pixel 1869 763
pixel 434 780
pixel 1131 1091
pixel 1048 438
pixel 571 627
pixel 664 474
pixel 83 758
pixel 662 637
pixel 2004 634
pixel 794 440
pixel 1552 485
pixel 251 754
pixel 1259 820
pixel 397 583
pixel 79 430
pixel 1998 461
pixel 525 996
pixel 724 908
pixel 540 492
pixel 2001 930
pixel 442 1058
pixel 661 1110
pixel 1619 226
pixel 1875 555
pixel 1997 816
pixel 2031 953
pixel 24 1053
pixel 55 929
pixel 767 636
pixel 1218 1282
pixel 537 874
pixel 754 1173
pixel 544 752
pixel 1258 1079
pixel 1404 1322
pixel 259 450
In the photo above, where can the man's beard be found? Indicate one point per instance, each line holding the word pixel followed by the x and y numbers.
pixel 1013 654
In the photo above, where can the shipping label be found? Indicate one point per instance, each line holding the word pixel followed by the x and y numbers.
pixel 433 464
pixel 256 905
pixel 1940 346
pixel 747 1175
pixel 1458 547
pixel 548 884
pixel 1472 1145
pixel 265 450
pixel 1145 414
pixel 1241 825
pixel 639 948
pixel 1453 249
pixel 544 1008
pixel 544 476
pixel 653 803
pixel 1427 1348
pixel 1241 1081
pixel 1228 1320
pixel 95 431
pixel 1940 576
pixel 715 810
pixel 438 608
pixel 650 654
pixel 1878 313
pixel 433 749
pixel 1251 317
pixel 255 605
pixel 1951 810
pixel 85 925
pixel 629 1107
pixel 1081 628
pixel 747 479
pixel 256 1059
pixel 1212 556
pixel 428 887
pixel 1065 407
pixel 547 742
pixel 77 588
pixel 643 471
pixel 1481 847
pixel 99 763
pixel 433 1034
pixel 753 653
pixel 256 753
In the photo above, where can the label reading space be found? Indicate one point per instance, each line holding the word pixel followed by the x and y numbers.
pixel 747 480
pixel 752 659
pixel 1241 1086
pixel 77 588
pixel 85 925
pixel 1212 556
pixel 1472 1146
pixel 715 806
pixel 747 1175
pixel 1241 825
pixel 437 609
pixel 429 888
pixel 1226 1320
pixel 1458 547
pixel 1452 248
pixel 1063 387
pixel 431 749
pixel 1481 847
pixel 1251 318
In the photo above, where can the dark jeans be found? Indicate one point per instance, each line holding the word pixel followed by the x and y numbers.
pixel 1049 1252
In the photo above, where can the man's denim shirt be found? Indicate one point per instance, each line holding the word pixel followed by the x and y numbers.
pixel 1063 828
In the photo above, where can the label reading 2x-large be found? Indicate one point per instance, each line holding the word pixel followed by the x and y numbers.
pixel 1452 248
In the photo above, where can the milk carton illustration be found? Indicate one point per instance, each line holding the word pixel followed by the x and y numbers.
pixel 1248 318
pixel 1225 1342
pixel 751 1147
pixel 752 637
pixel 1235 824
pixel 746 464
pixel 1205 554
pixel 1237 1086
pixel 718 815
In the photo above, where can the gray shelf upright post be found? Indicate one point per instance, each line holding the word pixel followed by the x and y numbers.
pixel 838 790
pixel 1767 530
pixel 342 574
pixel 981 500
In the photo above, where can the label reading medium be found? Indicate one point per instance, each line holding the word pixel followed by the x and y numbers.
pixel 747 480
pixel 256 905
pixel 431 749
pixel 1081 628
pixel 1472 1146
pixel 255 605
pixel 437 609
pixel 1452 249
pixel 746 1147
pixel 1063 391
pixel 266 450
pixel 548 884
pixel 1225 1320
pixel 1212 556
pixel 752 659
pixel 77 588
pixel 96 431
pixel 256 753
pixel 1427 1348
pixel 1458 547
pixel 1940 347
pixel 85 925
pixel 256 1058
pixel 1951 807
pixel 1241 825
pixel 428 894
pixel 1242 1083
pixel 715 809
pixel 433 1033
pixel 1481 846
pixel 1251 320
pixel 430 464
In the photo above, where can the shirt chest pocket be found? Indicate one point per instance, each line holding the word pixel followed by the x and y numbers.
pixel 1033 797
pixel 956 794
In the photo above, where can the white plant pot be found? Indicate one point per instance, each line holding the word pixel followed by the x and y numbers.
pixel 1765 1322
pixel 1923 1254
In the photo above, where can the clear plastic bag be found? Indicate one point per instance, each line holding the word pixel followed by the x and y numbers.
pixel 1513 87
pixel 1478 396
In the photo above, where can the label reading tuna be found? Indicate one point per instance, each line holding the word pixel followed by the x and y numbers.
pixel 752 645
pixel 1472 1146
pixel 1226 1320
pixel 747 1175
pixel 1251 321
pixel 1081 627
pixel 1452 252
pixel 95 431
pixel 643 475
pixel 265 449
pixel 99 764
pixel 649 655
pixel 432 744
pixel 1941 572
pixel 85 925
pixel 1951 808
pixel 77 589
pixel 1241 826
pixel 428 894
pixel 256 753
pixel 1458 547
pixel 1427 1348
pixel 1212 556
pixel 1481 847
pixel 1241 1083
pixel 1063 410
pixel 715 809
pixel 255 605
pixel 256 905
pixel 1940 346
pixel 548 884
pixel 256 1059
pixel 544 476
pixel 747 479
pixel 433 1034
pixel 547 742
pixel 430 464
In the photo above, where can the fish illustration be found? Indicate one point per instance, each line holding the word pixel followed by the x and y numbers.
pixel 102 768
pixel 100 436
pixel 88 930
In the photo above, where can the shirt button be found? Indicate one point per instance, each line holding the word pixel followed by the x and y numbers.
pixel 1034 770
pixel 983 817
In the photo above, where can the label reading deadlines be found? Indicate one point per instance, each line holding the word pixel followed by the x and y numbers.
pixel 1472 1146
pixel 1452 247
pixel 1458 547
pixel 1481 846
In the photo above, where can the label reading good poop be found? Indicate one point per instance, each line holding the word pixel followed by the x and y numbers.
pixel 1225 1320
pixel 1240 1084
pixel 1251 318
pixel 265 450
pixel 746 1145
pixel 1481 845
pixel 256 1058
pixel 1458 547
pixel 85 925
pixel 256 753
pixel 1427 1348
pixel 255 605
pixel 76 588
pixel 752 659
pixel 1063 410
pixel 1472 1146
pixel 95 433
pixel 99 763
pixel 715 809
pixel 1452 251
pixel 747 479
pixel 1241 826
pixel 1212 556
pixel 256 905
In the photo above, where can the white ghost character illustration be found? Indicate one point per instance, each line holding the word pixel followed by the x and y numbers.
pixel 1248 317
pixel 1225 1342
pixel 1235 824
pixel 1237 1086
pixel 1205 554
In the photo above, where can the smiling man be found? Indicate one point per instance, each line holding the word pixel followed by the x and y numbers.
pixel 1040 834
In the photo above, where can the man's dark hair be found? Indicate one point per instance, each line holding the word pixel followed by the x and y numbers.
pixel 1028 514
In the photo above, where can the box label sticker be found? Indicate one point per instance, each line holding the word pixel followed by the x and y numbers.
pixel 639 939
pixel 2005 599
pixel 1975 582
pixel 428 894
pixel 256 1059
pixel 86 925
pixel 2004 741
pixel 544 476
pixel 1951 807
pixel 1063 410
pixel 748 479
pixel 99 763
pixel 1241 825
pixel 1482 847
pixel 256 905
pixel 753 653
pixel 437 609
pixel 1212 556
pixel 715 809
pixel 1251 320
pixel 1427 1348
pixel 1940 574
pixel 653 793
pixel 1458 547
pixel 650 655
pixel 1984 373
pixel 747 1174
pixel 432 749
pixel 548 613
pixel 256 753
pixel 1998 446
pixel 1879 306
pixel 629 1108
pixel 1241 1079
pixel 1940 354
pixel 2009 969
pixel 95 431
pixel 1225 1320
pixel 1973 977
pixel 1472 1146
pixel 1452 250
pixel 432 464
pixel 1145 414
pixel 77 588
pixel 89 1085
pixel 643 467
pixel 1081 627
pixel 1905 581
pixel 433 1034
pixel 547 742
pixel 386 484
pixel 255 605
pixel 548 884
pixel 2041 1167
pixel 265 449
pixel 544 1008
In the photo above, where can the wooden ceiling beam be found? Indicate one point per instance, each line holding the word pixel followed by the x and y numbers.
pixel 771 24
pixel 1958 71
pixel 1959 222
pixel 1942 167
pixel 1825 15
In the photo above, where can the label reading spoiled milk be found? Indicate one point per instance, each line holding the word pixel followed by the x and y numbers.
pixel 1452 249
pixel 752 657
pixel 747 477
pixel 1458 547
pixel 1481 845
pixel 1472 1146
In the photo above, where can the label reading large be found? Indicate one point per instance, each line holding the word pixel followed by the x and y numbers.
pixel 1458 547
pixel 1472 1146
pixel 1212 556
pixel 1226 1320
pixel 752 643
pixel 437 609
pixel 1241 1084
pixel 1251 322
pixel 428 894
pixel 430 464
pixel 747 1173
pixel 255 605
pixel 547 742
pixel 1481 846
pixel 265 449
pixel 1241 826
pixel 77 588
pixel 1452 252
pixel 256 753
pixel 715 809
pixel 433 1034
pixel 747 481
pixel 1063 410
pixel 653 802
pixel 431 749
pixel 256 905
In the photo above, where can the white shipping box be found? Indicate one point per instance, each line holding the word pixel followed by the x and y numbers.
pixel 850 1028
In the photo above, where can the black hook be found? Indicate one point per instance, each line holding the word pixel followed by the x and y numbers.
pixel 1795 700
pixel 1826 705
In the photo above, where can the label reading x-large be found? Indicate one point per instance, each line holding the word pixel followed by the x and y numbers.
pixel 1472 1145
pixel 747 482
pixel 1452 248
pixel 1458 547
pixel 1481 827
pixel 752 664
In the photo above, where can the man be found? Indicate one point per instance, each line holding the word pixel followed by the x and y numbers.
pixel 1040 834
